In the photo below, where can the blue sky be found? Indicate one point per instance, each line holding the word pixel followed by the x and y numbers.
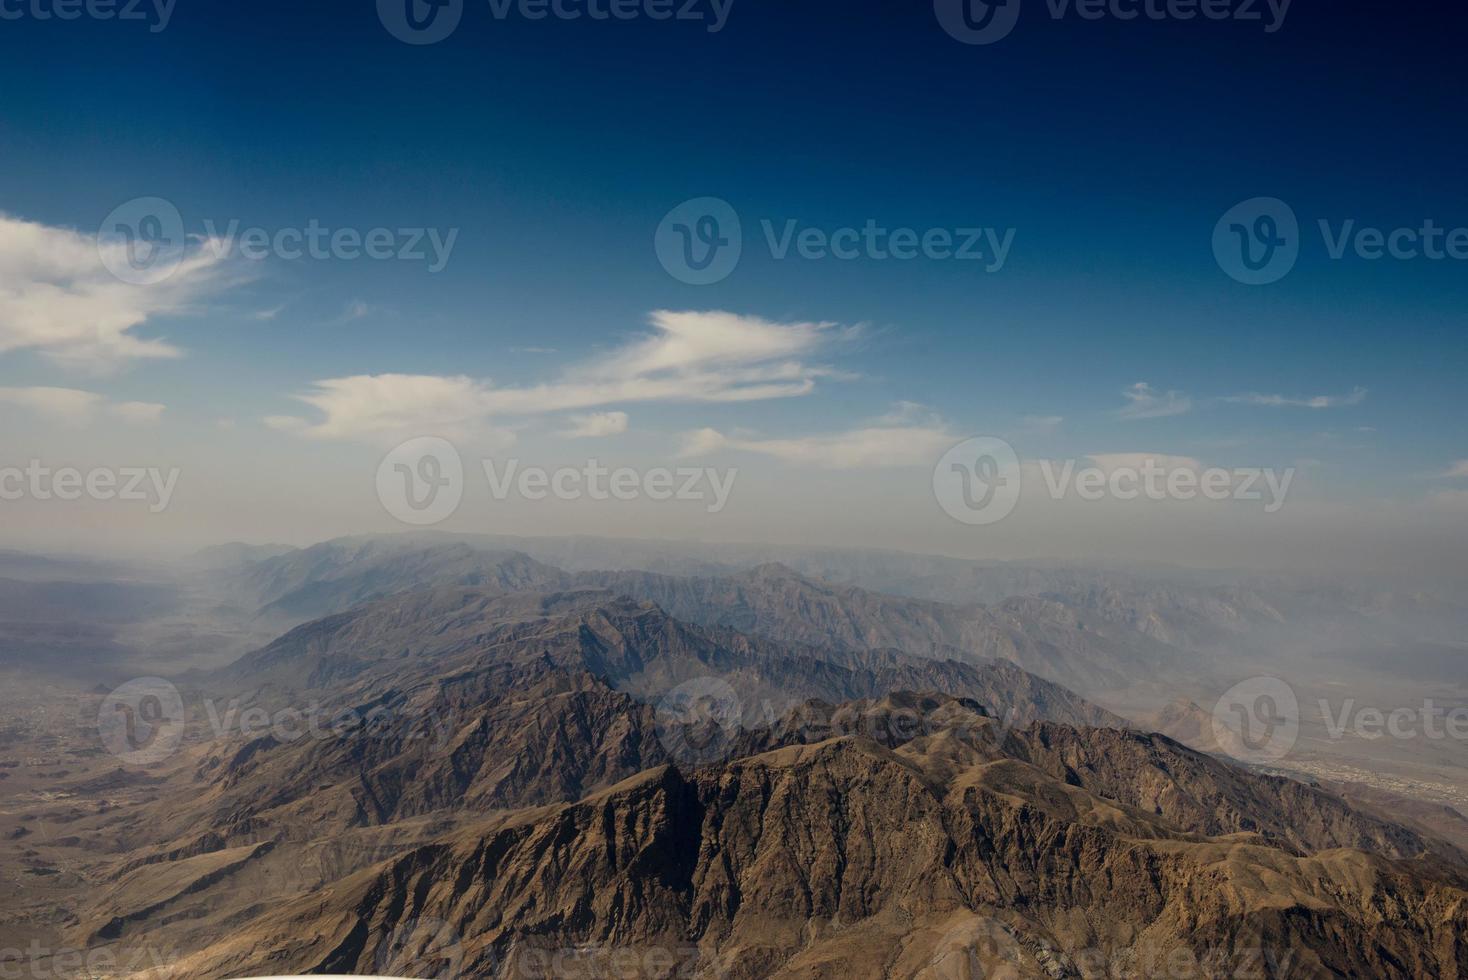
pixel 554 148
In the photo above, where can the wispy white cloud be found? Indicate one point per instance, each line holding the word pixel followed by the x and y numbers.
pixel 1458 471
pixel 58 297
pixel 1111 462
pixel 596 424
pixel 138 413
pixel 689 357
pixel 1042 423
pixel 876 446
pixel 355 310
pixel 905 413
pixel 1144 402
pixel 74 407
pixel 1356 397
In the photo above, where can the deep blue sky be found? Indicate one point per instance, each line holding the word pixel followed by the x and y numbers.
pixel 1111 147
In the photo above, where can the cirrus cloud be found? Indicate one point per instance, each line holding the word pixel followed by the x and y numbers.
pixel 710 356
pixel 74 407
pixel 1356 397
pixel 58 298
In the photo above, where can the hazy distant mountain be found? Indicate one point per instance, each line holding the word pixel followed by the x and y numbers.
pixel 1040 635
pixel 336 575
pixel 1150 631
pixel 485 640
pixel 1044 637
pixel 237 553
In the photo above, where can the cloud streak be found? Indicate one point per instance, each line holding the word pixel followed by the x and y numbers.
pixel 882 445
pixel 58 298
pixel 76 408
pixel 1356 397
pixel 709 357
pixel 596 425
pixel 1144 402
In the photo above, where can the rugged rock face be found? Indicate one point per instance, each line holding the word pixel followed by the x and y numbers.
pixel 846 857
pixel 1200 794
pixel 512 799
pixel 551 741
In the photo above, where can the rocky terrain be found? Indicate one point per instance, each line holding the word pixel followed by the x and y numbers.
pixel 849 856
pixel 474 764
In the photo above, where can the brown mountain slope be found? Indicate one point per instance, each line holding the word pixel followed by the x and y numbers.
pixel 847 858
